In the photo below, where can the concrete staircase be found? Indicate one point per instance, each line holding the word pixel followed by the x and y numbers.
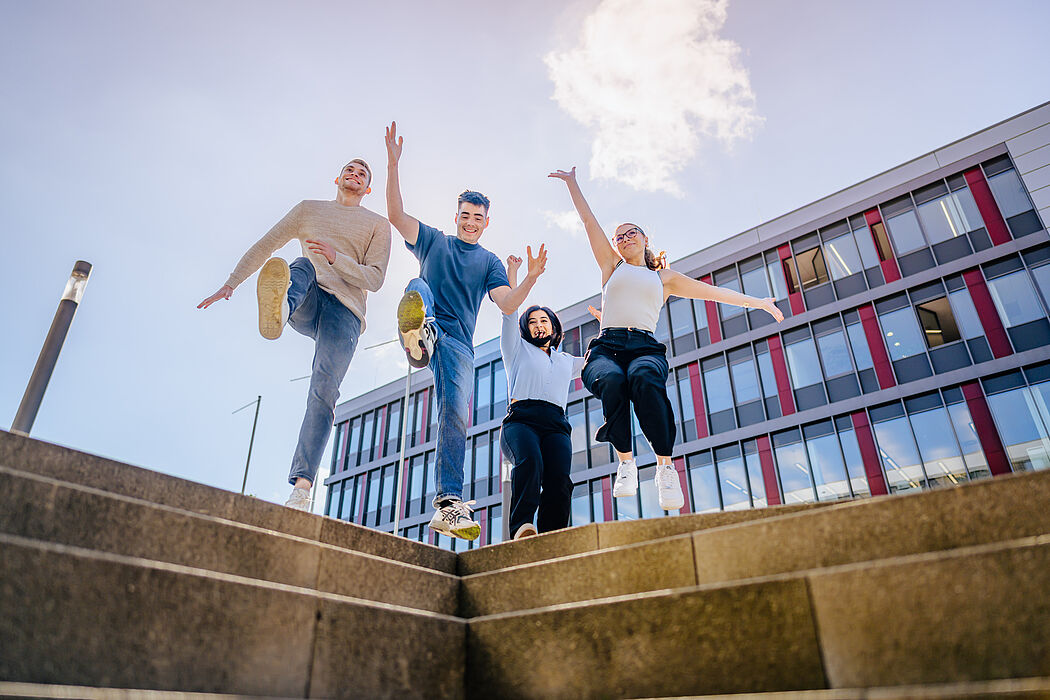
pixel 117 581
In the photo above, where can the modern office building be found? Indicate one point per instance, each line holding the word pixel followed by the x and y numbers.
pixel 914 354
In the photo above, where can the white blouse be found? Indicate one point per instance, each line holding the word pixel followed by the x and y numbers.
pixel 531 372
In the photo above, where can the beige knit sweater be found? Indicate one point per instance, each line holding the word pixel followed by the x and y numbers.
pixel 360 237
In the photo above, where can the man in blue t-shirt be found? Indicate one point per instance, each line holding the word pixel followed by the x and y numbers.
pixel 436 319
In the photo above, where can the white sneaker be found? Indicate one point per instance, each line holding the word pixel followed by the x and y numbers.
pixel 415 330
pixel 668 487
pixel 272 289
pixel 526 530
pixel 626 479
pixel 454 520
pixel 300 499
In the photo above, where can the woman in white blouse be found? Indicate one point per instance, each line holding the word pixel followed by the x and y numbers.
pixel 535 435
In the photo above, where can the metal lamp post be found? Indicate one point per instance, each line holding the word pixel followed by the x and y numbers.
pixel 56 336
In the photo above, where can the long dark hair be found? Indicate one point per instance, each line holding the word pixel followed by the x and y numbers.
pixel 556 334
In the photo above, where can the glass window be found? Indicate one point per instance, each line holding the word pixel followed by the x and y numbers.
pixel 682 323
pixel 937 447
pixel 728 310
pixel 1042 280
pixel 601 452
pixel 900 458
pixel 835 354
pixel 687 410
pixel 626 507
pixel 482 394
pixel 346 507
pixel 858 479
pixel 769 377
pixel 745 381
pixel 368 437
pixel 581 504
pixel 903 338
pixel 495 524
pixel 716 386
pixel 393 427
pixel 415 478
pixel 647 491
pixel 641 445
pixel 965 314
pixel 756 283
pixel 578 436
pixel 950 216
pixel 1009 193
pixel 812 271
pixel 862 235
pixel 499 389
pixel 354 445
pixel 732 477
pixel 966 433
pixel 829 471
pixel 373 491
pixel 598 501
pixel 776 279
pixel 938 322
pixel 843 257
pixel 803 364
pixel 387 494
pixel 756 479
pixel 905 232
pixel 703 482
pixel 859 344
pixel 1021 427
pixel 1015 298
pixel 795 477
pixel 700 313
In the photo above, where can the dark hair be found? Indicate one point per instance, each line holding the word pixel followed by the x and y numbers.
pixel 361 162
pixel 556 334
pixel 476 198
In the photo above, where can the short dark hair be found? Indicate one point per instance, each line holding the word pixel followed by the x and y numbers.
pixel 362 163
pixel 472 197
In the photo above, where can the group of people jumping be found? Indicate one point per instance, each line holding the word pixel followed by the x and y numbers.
pixel 345 252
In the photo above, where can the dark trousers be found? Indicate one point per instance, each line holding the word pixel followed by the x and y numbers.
pixel 628 366
pixel 535 437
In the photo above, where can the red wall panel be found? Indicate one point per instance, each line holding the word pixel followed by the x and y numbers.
pixel 877 349
pixel 679 465
pixel 982 195
pixel 769 472
pixel 984 426
pixel 998 340
pixel 870 455
pixel 890 271
pixel 776 354
pixel 698 400
pixel 713 325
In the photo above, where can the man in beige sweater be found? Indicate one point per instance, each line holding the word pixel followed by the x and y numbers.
pixel 346 249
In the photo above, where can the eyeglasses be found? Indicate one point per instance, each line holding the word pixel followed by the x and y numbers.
pixel 630 233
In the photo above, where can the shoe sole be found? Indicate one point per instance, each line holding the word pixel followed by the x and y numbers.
pixel 272 289
pixel 468 533
pixel 411 314
pixel 621 493
pixel 674 505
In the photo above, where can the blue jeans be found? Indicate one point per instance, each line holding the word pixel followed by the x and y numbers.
pixel 335 329
pixel 453 368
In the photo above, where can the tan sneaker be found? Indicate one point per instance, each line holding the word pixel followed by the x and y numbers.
pixel 272 289
pixel 300 499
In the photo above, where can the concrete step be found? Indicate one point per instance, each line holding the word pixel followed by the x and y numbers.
pixel 49 510
pixel 973 614
pixel 77 617
pixel 989 511
pixel 65 464
pixel 79 692
pixel 1010 688
pixel 596 536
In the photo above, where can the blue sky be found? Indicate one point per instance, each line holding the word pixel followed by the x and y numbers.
pixel 159 140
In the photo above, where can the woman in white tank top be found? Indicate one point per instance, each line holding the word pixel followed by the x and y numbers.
pixel 625 363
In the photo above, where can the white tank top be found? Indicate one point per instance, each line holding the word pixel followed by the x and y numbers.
pixel 632 298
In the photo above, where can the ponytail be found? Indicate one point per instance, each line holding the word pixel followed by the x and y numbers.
pixel 655 262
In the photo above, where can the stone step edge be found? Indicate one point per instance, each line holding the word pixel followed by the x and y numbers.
pixel 12 689
pixel 904 560
pixel 223 522
pixel 18 541
pixel 759 522
pixel 1003 687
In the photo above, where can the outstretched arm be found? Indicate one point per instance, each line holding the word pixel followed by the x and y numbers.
pixel 508 299
pixel 604 253
pixel 679 285
pixel 406 225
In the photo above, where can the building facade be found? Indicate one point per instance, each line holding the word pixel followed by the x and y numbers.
pixel 915 353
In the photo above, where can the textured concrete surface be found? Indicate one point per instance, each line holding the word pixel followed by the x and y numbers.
pixel 976 614
pixel 651 566
pixel 550 545
pixel 52 511
pixel 39 690
pixel 1012 689
pixel 619 533
pixel 742 638
pixel 363 539
pixel 984 511
pixel 84 618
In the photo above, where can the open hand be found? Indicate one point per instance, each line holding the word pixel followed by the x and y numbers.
pixel 537 264
pixel 225 291
pixel 322 248
pixel 769 306
pixel 595 312
pixel 394 144
pixel 566 176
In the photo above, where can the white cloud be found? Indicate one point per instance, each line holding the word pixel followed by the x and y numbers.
pixel 568 221
pixel 651 79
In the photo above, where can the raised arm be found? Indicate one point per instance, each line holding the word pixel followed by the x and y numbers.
pixel 604 253
pixel 679 285
pixel 508 299
pixel 406 225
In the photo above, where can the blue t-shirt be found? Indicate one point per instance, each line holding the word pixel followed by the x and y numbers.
pixel 459 274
